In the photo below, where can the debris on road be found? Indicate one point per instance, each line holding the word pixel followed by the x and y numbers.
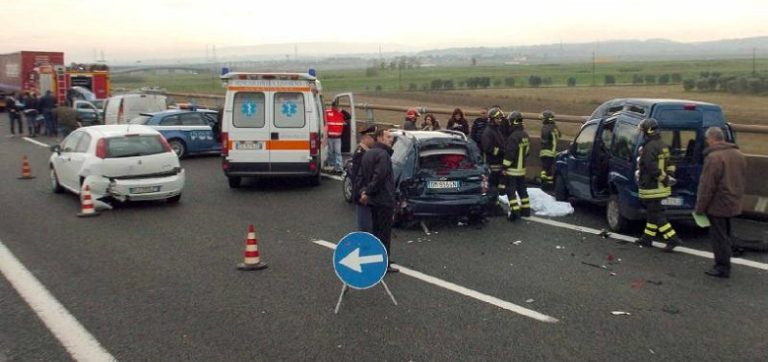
pixel 613 274
pixel 530 300
pixel 637 284
pixel 424 227
pixel 671 309
pixel 518 242
pixel 604 233
pixel 654 282
pixel 618 312
pixel 559 247
pixel 595 265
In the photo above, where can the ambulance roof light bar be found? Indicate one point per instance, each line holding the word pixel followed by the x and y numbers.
pixel 266 76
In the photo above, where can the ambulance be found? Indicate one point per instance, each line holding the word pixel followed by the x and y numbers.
pixel 272 126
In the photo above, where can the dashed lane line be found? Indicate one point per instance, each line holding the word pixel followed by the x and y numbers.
pixel 680 249
pixel 80 344
pixel 463 290
pixel 36 142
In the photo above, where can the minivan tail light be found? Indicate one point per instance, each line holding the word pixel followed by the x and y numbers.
pixel 166 146
pixel 314 144
pixel 225 144
pixel 101 148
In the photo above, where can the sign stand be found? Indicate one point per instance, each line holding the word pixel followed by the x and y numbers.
pixel 360 271
pixel 345 288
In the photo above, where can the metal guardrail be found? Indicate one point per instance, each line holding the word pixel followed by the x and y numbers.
pixel 743 128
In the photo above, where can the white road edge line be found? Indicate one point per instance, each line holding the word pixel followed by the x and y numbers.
pixel 80 344
pixel 681 249
pixel 36 142
pixel 464 291
pixel 332 177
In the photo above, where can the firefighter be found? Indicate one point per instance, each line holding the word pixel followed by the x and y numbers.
pixel 550 135
pixel 655 178
pixel 493 148
pixel 516 150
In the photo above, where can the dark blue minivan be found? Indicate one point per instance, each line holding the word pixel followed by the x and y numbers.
pixel 600 164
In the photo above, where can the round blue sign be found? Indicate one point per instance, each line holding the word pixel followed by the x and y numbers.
pixel 360 260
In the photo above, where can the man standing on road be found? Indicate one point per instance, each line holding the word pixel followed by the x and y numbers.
pixel 654 180
pixel 721 188
pixel 493 147
pixel 550 135
pixel 14 106
pixel 47 104
pixel 334 118
pixel 478 126
pixel 378 188
pixel 364 219
pixel 30 113
pixel 516 150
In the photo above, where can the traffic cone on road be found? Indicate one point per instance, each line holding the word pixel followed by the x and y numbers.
pixel 87 208
pixel 252 259
pixel 26 171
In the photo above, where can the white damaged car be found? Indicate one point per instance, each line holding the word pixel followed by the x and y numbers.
pixel 119 162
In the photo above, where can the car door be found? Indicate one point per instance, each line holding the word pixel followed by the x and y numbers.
pixel 62 163
pixel 289 136
pixel 250 131
pixel 79 156
pixel 579 162
pixel 199 133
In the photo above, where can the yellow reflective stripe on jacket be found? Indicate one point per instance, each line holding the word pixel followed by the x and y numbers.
pixel 656 193
pixel 495 151
pixel 507 163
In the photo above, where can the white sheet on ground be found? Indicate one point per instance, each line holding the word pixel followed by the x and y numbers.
pixel 543 204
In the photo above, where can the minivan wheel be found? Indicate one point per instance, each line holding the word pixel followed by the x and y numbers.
pixel 616 221
pixel 561 191
pixel 347 188
pixel 234 181
pixel 178 147
pixel 55 186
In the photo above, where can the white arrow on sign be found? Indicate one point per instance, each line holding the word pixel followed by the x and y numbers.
pixel 354 261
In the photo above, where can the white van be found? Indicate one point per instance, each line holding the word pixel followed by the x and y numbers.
pixel 272 125
pixel 125 107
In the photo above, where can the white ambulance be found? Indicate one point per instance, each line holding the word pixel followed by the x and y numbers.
pixel 272 126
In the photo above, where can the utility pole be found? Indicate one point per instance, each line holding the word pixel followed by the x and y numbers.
pixel 754 61
pixel 594 69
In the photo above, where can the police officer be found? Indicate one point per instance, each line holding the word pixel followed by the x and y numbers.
pixel 550 135
pixel 655 180
pixel 364 220
pixel 492 142
pixel 516 150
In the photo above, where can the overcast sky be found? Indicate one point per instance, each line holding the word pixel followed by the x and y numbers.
pixel 128 30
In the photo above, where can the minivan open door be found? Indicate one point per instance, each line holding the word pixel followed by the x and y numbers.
pixel 346 101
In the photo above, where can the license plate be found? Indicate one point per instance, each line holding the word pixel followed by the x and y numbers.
pixel 672 201
pixel 144 189
pixel 443 184
pixel 248 145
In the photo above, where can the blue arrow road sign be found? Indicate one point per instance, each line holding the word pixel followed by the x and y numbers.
pixel 360 260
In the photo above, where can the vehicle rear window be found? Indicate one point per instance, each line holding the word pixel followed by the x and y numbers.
pixel 289 110
pixel 248 110
pixel 132 146
pixel 445 159
pixel 683 144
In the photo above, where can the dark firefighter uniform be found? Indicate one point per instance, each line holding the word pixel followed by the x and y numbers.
pixel 550 135
pixel 655 180
pixel 492 142
pixel 516 150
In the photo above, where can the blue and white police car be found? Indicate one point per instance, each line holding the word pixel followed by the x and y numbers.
pixel 187 132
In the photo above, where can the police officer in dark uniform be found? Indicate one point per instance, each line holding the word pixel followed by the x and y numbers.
pixel 492 142
pixel 655 178
pixel 550 135
pixel 364 220
pixel 516 150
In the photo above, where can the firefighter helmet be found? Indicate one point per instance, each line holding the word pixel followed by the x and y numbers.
pixel 547 115
pixel 515 118
pixel 648 126
pixel 495 113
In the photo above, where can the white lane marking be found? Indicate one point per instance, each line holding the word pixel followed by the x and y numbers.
pixel 462 290
pixel 332 177
pixel 681 249
pixel 80 344
pixel 36 142
pixel 612 235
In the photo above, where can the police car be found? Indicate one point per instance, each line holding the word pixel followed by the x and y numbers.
pixel 188 132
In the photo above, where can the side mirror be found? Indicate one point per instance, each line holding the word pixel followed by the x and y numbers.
pixel 56 148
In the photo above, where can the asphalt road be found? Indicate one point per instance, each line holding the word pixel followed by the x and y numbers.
pixel 152 281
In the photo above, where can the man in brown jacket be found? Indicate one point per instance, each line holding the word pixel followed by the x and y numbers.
pixel 721 188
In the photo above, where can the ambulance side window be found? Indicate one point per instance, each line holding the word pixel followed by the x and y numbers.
pixel 289 110
pixel 248 110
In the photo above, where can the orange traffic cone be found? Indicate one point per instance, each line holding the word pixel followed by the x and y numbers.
pixel 86 201
pixel 252 260
pixel 26 171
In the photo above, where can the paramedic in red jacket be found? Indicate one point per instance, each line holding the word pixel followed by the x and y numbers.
pixel 334 119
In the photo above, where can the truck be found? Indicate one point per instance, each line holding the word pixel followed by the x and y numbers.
pixel 17 70
pixel 77 81
pixel 600 164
